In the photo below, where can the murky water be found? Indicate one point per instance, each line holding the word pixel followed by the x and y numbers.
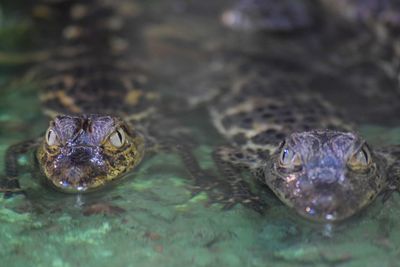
pixel 152 219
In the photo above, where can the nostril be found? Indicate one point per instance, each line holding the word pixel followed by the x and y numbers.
pixel 324 176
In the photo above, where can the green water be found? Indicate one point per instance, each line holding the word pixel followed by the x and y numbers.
pixel 152 219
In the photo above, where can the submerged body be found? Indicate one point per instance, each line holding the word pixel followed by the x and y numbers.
pixel 300 147
pixel 98 98
pixel 280 126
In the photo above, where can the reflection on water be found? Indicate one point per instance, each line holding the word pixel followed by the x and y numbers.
pixel 151 218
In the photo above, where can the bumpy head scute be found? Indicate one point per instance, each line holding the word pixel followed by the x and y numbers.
pixel 83 153
pixel 325 175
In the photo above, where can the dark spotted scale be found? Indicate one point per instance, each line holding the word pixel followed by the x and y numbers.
pixel 94 70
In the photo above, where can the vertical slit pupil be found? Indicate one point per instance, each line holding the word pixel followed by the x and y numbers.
pixel 119 135
pixel 285 154
pixel 49 135
pixel 365 155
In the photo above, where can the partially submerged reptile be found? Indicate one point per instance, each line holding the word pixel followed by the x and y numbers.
pixel 278 125
pixel 103 108
pixel 296 144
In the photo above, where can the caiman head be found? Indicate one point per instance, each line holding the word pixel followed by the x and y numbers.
pixel 325 175
pixel 83 153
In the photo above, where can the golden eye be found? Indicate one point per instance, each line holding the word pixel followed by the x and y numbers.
pixel 117 139
pixel 289 158
pixel 361 159
pixel 51 137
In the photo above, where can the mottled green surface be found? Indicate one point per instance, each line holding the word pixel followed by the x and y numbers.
pixel 151 219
